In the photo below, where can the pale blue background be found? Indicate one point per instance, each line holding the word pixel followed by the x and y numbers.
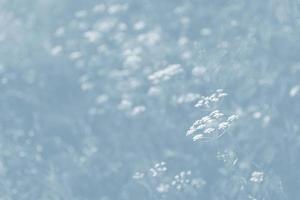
pixel 46 131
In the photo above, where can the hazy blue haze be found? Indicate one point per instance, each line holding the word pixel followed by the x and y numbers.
pixel 97 98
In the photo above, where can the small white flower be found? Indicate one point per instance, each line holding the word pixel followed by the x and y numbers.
pixel 197 137
pixel 209 130
pixel 294 90
pixel 257 177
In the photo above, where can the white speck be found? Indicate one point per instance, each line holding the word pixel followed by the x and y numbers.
pixel 124 105
pixel 165 74
pixel 198 71
pixel 138 175
pixel 139 25
pixel 223 125
pixel 198 183
pixel 205 32
pixel 232 118
pixel 154 172
pixel 257 177
pixel 209 130
pixel 234 162
pixel 154 91
pixel 266 120
pixel 137 110
pixel 92 36
pixel 163 188
pixel 183 41
pixel 75 55
pixel 59 32
pixel 190 131
pixel 115 8
pixel 257 115
pixel 87 86
pixel 197 137
pixel 294 90
pixel 150 38
pixel 56 50
pixel 104 26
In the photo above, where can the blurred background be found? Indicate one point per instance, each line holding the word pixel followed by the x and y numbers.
pixel 97 97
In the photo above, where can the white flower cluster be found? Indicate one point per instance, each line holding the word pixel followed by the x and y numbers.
pixel 187 98
pixel 150 38
pixel 207 100
pixel 138 175
pixel 211 127
pixel 165 74
pixel 85 83
pixel 163 187
pixel 202 101
pixel 228 156
pixel 179 181
pixel 157 170
pixel 183 179
pixel 257 177
pixel 127 106
pixel 100 8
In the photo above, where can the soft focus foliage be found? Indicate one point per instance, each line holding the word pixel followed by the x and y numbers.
pixel 136 99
